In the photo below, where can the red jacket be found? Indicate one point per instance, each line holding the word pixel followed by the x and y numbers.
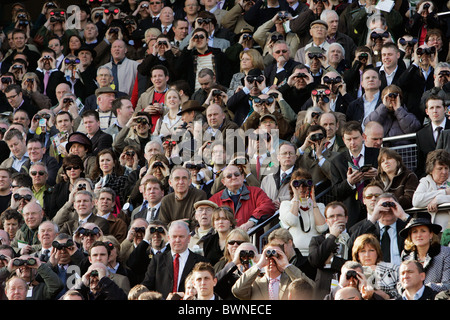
pixel 253 203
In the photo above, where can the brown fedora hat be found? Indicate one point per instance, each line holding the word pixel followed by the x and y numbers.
pixel 191 105
pixel 81 138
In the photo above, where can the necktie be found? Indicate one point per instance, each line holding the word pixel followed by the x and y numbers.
pixel 326 145
pixel 258 166
pixel 152 214
pixel 283 176
pixel 176 267
pixel 154 20
pixel 386 245
pixel 272 294
pixel 360 185
pixel 46 77
pixel 165 30
pixel 438 129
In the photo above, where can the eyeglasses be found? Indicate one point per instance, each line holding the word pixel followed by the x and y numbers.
pixel 233 242
pixel 287 154
pixel 68 168
pixel 280 51
pixel 34 173
pixel 371 195
pixel 236 174
pixel 12 97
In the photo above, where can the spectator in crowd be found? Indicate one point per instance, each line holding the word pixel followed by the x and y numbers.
pixel 412 278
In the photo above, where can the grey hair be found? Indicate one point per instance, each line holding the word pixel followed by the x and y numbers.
pixel 335 44
pixel 55 226
pixel 106 68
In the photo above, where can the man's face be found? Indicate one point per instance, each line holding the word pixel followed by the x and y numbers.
pixel 232 178
pixel 188 116
pixel 318 31
pixel 85 57
pixel 389 57
pixel 118 50
pixel 268 124
pixel 91 124
pixel 156 6
pixel 410 277
pixel 46 234
pixel 159 79
pixel 215 116
pixel 435 111
pixel 61 89
pixel 99 254
pixel 153 193
pixel 33 215
pixel 83 205
pixel 126 110
pixel 166 16
pixel 17 147
pixel 105 202
pixel 63 123
pixel 203 215
pixel 370 197
pixel 14 99
pixel 386 217
pixel 353 141
pixel 286 156
pixel 206 82
pixel 16 290
pixel 55 45
pixel 333 22
pixel 105 101
pixel 158 240
pixel 204 283
pixel 371 80
pixel 335 214
pixel 218 155
pixel 11 226
pixel 104 78
pixel 374 137
pixel 191 7
pixel 328 121
pixel 36 151
pixel 200 40
pixel 38 175
pixel 181 30
pixel 281 49
pixel 179 239
pixel 5 181
pixel 90 32
pixel 180 181
pixel 19 40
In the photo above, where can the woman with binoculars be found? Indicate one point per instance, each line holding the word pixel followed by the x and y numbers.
pixel 302 216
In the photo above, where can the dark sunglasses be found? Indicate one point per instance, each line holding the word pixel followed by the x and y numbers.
pixel 68 168
pixel 280 51
pixel 233 242
pixel 236 174
pixel 34 173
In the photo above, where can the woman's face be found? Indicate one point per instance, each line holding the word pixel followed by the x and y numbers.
pixel 106 162
pixel 388 165
pixel 73 172
pixel 173 100
pixel 368 255
pixel 440 173
pixel 74 43
pixel 435 41
pixel 156 171
pixel 233 244
pixel 246 62
pixel 421 236
pixel 221 223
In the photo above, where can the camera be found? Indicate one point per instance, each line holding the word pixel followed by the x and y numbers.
pixel 17 66
pixel 114 30
pixel 241 161
pixel 321 94
pixel 130 153
pixel 183 126
pixel 275 38
pixel 24 262
pixel 158 164
pixel 195 166
pixel 312 55
pixel 3 257
pixel 315 114
pixel 170 142
pixel 317 136
pixel 351 274
pixel 60 246
pixel 128 22
pixel 301 75
pixel 426 6
pixel 23 23
pixel 393 95
pixel 388 204
pixel 162 43
pixel 271 253
pixel 375 35
pixel 302 182
pixel 157 229
pixel 57 16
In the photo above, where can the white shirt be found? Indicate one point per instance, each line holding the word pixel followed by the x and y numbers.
pixel 149 212
pixel 389 77
pixel 417 295
pixel 434 126
pixel 369 106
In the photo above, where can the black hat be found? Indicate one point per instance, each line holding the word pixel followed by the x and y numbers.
pixel 86 48
pixel 191 105
pixel 420 219
pixel 81 138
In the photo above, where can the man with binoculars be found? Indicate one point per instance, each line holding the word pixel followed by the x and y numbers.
pixel 278 273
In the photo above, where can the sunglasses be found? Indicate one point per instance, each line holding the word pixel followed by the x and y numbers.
pixel 68 168
pixel 26 197
pixel 280 51
pixel 375 35
pixel 158 229
pixel 34 173
pixel 233 242
pixel 371 195
pixel 236 174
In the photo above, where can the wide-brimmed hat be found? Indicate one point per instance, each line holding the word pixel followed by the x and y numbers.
pixel 205 203
pixel 86 48
pixel 81 138
pixel 191 105
pixel 420 219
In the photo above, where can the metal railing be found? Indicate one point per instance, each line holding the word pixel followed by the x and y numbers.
pixel 259 233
